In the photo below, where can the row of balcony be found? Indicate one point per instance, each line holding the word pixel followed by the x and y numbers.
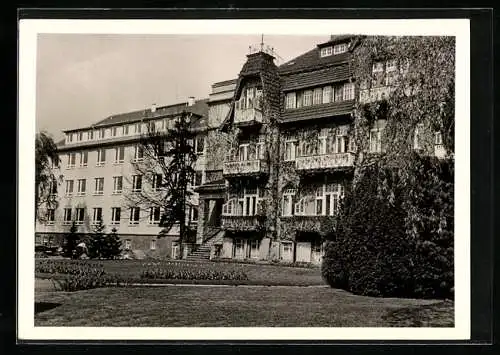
pixel 256 223
pixel 313 162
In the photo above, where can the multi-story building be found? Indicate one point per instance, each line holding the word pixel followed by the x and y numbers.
pixel 277 145
pixel 99 177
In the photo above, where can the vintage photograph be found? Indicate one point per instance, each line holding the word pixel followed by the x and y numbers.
pixel 244 180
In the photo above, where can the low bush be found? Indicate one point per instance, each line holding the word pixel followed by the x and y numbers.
pixel 188 271
pixel 71 267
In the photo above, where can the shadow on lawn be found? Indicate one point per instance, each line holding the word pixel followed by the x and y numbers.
pixel 45 306
pixel 439 314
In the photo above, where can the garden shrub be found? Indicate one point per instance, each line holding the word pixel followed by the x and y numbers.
pixel 186 271
pixel 394 239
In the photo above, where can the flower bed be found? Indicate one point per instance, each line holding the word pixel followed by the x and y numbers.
pixel 70 267
pixel 188 271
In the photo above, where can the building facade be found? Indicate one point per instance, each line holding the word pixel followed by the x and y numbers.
pixel 277 148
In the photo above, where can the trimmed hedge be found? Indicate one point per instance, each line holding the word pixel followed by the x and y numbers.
pixel 395 239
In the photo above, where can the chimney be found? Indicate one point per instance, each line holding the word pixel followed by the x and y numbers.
pixel 190 100
pixel 153 108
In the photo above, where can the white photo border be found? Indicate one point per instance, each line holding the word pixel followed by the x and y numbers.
pixel 28 33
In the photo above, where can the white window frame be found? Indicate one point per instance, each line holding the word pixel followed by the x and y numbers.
pixel 51 216
pixel 135 180
pixel 81 187
pixel 97 184
pixel 438 138
pixel 154 183
pixel 348 92
pixel 317 96
pixel 69 187
pixel 90 135
pixel 307 98
pixel 293 144
pixel 119 155
pixel 326 51
pixel 152 216
pixel 125 130
pixel 254 248
pixel 101 157
pixel 67 218
pixel 132 221
pixel 377 146
pixel 101 133
pixel 152 245
pixel 327 94
pixel 288 245
pixel 96 214
pixel 137 150
pixel 288 195
pixel 79 221
pixel 340 48
pixel 79 136
pixel 117 191
pixel 84 158
pixel 71 161
pixel 114 220
pixel 291 100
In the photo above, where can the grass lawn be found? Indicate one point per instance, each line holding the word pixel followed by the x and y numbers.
pixel 234 306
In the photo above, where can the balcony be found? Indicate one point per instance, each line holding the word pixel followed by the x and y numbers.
pixel 245 167
pixel 305 223
pixel 247 117
pixel 242 223
pixel 374 94
pixel 325 161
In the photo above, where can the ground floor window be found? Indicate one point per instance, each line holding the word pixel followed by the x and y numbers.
pixel 153 244
pixel 175 250
pixel 287 251
pixel 254 248
pixel 239 248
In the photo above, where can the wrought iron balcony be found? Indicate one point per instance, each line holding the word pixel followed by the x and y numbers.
pixel 245 167
pixel 325 161
pixel 242 223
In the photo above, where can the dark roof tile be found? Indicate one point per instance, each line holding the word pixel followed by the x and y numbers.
pixel 315 78
pixel 317 111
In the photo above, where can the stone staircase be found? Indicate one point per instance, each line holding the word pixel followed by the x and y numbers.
pixel 202 252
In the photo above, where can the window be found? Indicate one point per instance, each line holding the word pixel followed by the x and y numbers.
pixel 139 153
pixel 53 187
pixel 90 135
pixel 290 150
pixel 99 186
pixel 71 160
pixel 136 183
pixel 349 91
pixel 378 67
pixel 152 246
pixel 134 215
pixel 137 128
pixel 193 212
pixel 80 215
pixel 326 51
pixel 254 248
pixel 339 92
pixel 154 215
pixel 101 157
pixel 340 48
pixel 418 136
pixel 198 177
pixel 125 130
pixel 391 70
pixel 288 196
pixel 81 187
pixel 318 96
pixel 117 184
pixel 438 138
pixel 97 215
pixel 102 133
pixel 200 144
pixel 157 182
pixel 300 99
pixel 69 187
pixel 115 215
pixel 307 98
pixel 114 131
pixel 128 244
pixel 327 94
pixel 287 251
pixel 67 216
pixel 119 155
pixel 84 157
pixel 79 136
pixel 290 100
pixel 51 216
pixel 376 140
pixel 69 137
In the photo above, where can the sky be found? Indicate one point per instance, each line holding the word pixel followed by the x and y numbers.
pixel 83 78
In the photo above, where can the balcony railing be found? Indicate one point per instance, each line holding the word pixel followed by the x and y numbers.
pixel 245 167
pixel 374 94
pixel 242 223
pixel 247 116
pixel 325 161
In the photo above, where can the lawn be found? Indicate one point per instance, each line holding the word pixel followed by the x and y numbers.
pixel 233 306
